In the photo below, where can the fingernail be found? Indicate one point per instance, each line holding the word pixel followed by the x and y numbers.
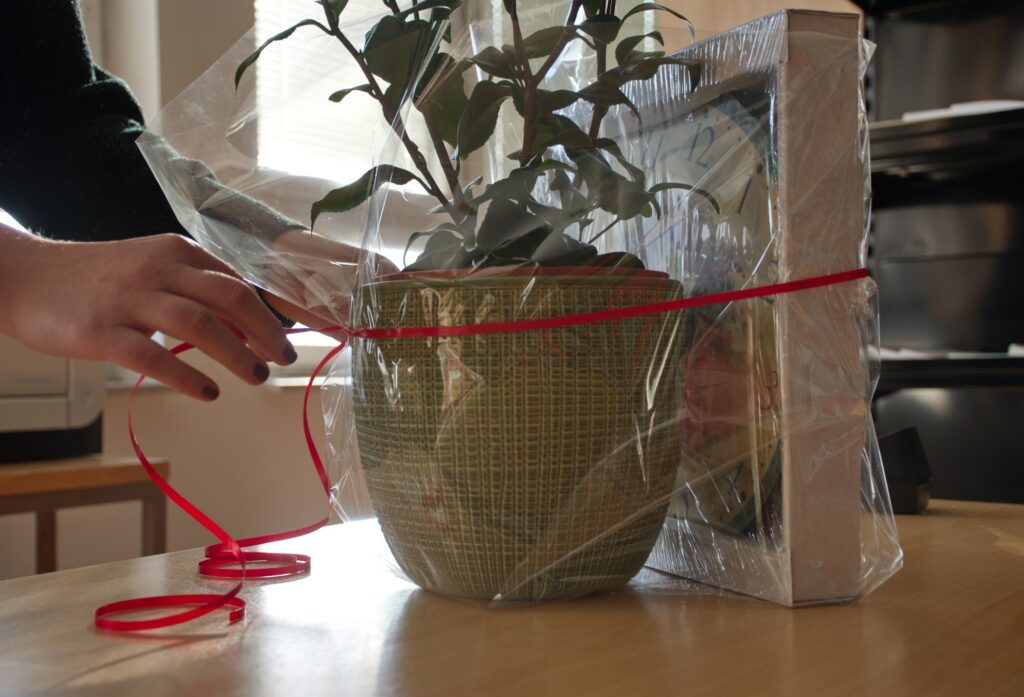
pixel 289 354
pixel 211 392
pixel 261 372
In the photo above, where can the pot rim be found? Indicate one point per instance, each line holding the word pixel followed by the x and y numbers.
pixel 572 274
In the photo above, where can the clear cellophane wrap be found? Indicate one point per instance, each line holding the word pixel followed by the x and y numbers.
pixel 728 442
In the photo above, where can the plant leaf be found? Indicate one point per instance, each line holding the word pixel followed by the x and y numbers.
pixel 333 10
pixel 497 62
pixel 609 145
pixel 348 197
pixel 341 94
pixel 504 223
pixel 547 101
pixel 444 236
pixel 646 68
pixel 626 46
pixel 606 94
pixel 424 5
pixel 244 65
pixel 603 27
pixel 623 197
pixel 481 115
pixel 441 95
pixel 396 49
pixel 592 7
pixel 543 41
pixel 653 6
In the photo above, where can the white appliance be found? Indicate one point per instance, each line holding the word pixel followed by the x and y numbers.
pixel 49 406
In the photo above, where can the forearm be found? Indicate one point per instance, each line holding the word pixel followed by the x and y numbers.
pixel 19 252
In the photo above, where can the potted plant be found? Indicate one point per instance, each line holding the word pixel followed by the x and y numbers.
pixel 519 465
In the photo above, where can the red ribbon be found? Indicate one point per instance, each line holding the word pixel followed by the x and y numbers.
pixel 228 559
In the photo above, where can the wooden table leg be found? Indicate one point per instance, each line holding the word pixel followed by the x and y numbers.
pixel 154 524
pixel 46 541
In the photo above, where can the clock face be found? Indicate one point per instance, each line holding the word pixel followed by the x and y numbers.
pixel 721 150
pixel 717 236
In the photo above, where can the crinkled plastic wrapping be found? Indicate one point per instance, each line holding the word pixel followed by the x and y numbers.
pixel 730 444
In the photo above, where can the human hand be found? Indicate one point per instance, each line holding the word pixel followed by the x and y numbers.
pixel 105 300
pixel 313 277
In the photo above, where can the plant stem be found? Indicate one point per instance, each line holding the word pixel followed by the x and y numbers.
pixel 606 229
pixel 450 173
pixel 395 121
pixel 529 86
pixel 599 111
pixel 532 82
pixel 570 21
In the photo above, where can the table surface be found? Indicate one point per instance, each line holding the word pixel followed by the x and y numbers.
pixel 951 622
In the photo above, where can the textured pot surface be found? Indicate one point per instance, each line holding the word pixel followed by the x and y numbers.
pixel 527 465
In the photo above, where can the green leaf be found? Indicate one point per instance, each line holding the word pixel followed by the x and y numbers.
pixel 497 62
pixel 603 27
pixel 593 7
pixel 609 145
pixel 441 95
pixel 547 101
pixel 507 222
pixel 341 94
pixel 481 115
pixel 653 6
pixel 348 197
pixel 554 129
pixel 623 197
pixel 424 5
pixel 244 65
pixel 646 69
pixel 394 96
pixel 395 49
pixel 543 41
pixel 592 167
pixel 686 187
pixel 333 10
pixel 606 94
pixel 516 186
pixel 626 46
pixel 444 236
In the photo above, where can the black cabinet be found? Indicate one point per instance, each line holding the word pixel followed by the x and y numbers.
pixel 947 244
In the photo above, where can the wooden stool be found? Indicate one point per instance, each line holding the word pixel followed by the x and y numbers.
pixel 44 487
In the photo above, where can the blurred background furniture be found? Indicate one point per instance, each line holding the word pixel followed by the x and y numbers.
pixel 45 487
pixel 947 245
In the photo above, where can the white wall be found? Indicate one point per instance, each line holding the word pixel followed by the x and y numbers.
pixel 717 15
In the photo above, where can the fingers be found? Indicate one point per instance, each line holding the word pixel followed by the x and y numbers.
pixel 307 317
pixel 383 266
pixel 135 351
pixel 237 302
pixel 200 326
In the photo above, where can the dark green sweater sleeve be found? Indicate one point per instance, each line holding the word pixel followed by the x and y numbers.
pixel 69 166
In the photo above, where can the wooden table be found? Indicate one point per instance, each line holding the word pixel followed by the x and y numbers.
pixel 46 486
pixel 950 623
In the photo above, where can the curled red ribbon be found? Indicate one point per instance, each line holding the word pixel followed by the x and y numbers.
pixel 229 559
